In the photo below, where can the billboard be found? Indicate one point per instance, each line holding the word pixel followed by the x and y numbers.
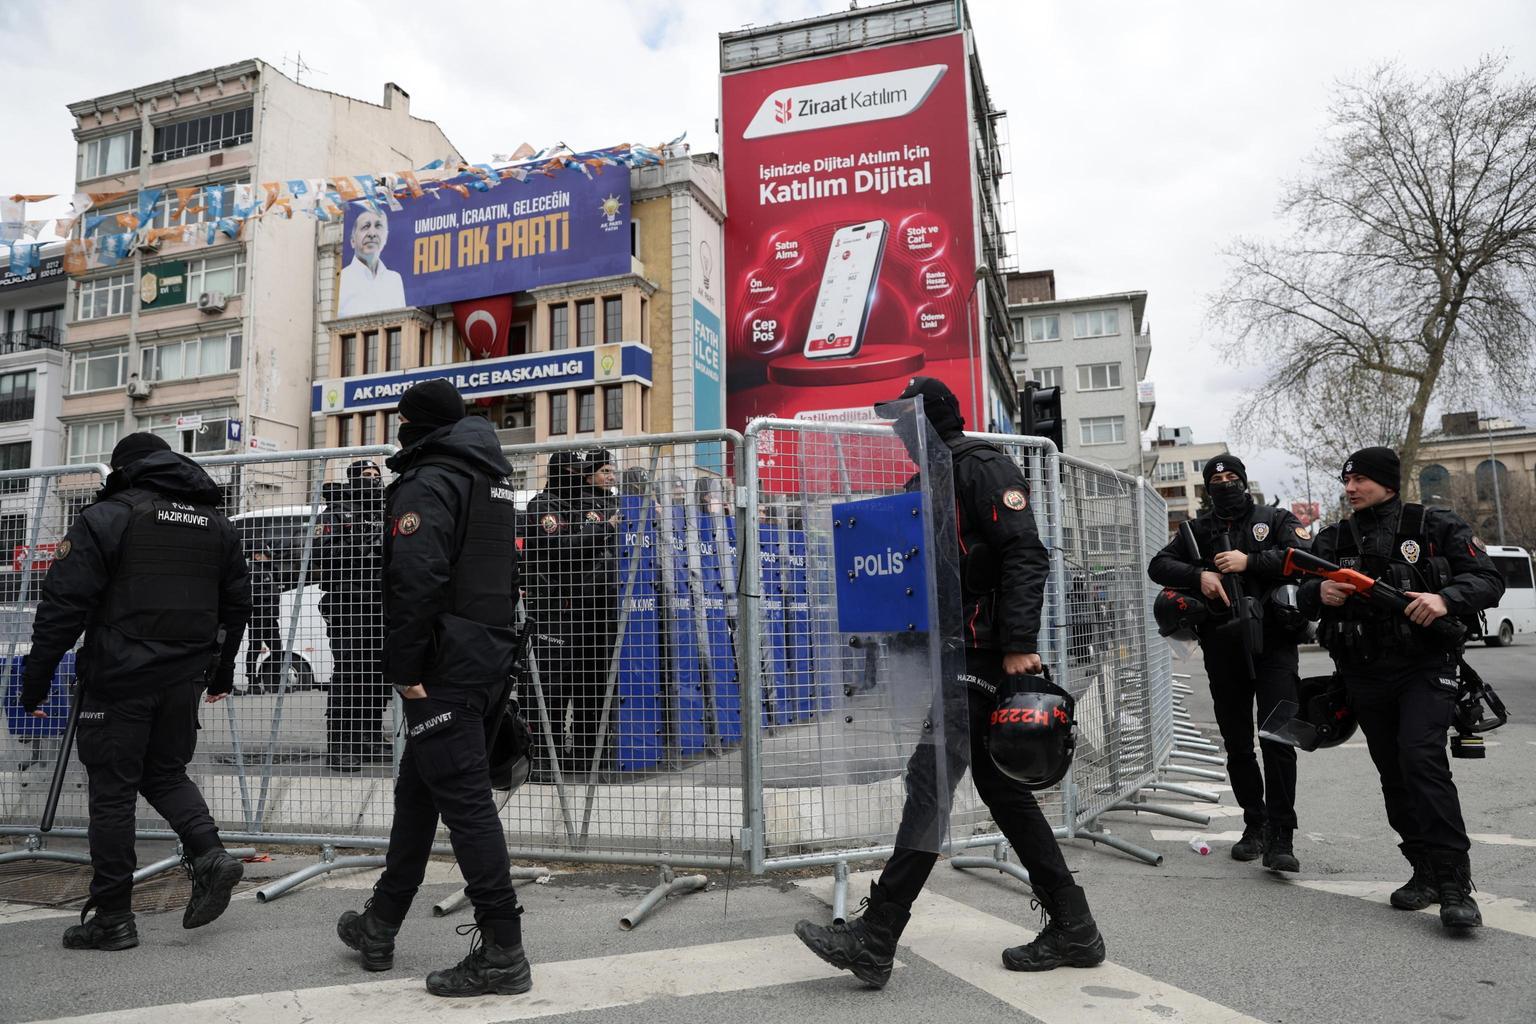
pixel 851 241
pixel 444 246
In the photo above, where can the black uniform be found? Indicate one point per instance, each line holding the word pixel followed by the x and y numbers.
pixel 150 572
pixel 347 560
pixel 1264 534
pixel 1004 570
pixel 570 547
pixel 1400 683
pixel 450 597
pixel 265 631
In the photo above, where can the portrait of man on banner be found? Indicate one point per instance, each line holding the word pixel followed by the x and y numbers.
pixel 367 285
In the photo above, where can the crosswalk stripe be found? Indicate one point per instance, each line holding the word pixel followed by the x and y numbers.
pixel 570 986
pixel 1507 915
pixel 1500 839
pixel 968 944
pixel 16 913
pixel 1176 835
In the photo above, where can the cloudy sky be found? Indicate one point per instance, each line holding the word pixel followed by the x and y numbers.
pixel 1145 136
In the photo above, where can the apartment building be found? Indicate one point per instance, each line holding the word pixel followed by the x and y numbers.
pixel 1178 472
pixel 32 363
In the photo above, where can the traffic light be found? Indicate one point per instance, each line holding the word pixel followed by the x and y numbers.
pixel 1042 412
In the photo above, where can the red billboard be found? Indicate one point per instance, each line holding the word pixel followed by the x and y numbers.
pixel 850 234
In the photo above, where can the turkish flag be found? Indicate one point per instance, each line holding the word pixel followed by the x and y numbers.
pixel 485 325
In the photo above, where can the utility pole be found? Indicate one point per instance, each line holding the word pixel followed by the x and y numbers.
pixel 1493 470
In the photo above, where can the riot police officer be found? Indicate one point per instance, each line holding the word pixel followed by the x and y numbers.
pixel 450 598
pixel 570 537
pixel 1001 621
pixel 1242 541
pixel 155 577
pixel 348 541
pixel 1399 679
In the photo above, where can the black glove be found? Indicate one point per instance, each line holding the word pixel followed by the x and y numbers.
pixel 223 680
pixel 34 689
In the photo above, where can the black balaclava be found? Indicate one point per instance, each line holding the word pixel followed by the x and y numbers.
pixel 1230 498
pixel 426 407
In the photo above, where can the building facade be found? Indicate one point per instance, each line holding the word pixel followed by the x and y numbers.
pixel 209 343
pixel 1178 472
pixel 1096 349
pixel 653 333
pixel 32 363
pixel 1485 469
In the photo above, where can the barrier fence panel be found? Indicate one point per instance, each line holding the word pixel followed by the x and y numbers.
pixel 1159 660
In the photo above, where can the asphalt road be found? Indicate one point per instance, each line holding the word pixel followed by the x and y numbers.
pixel 1196 939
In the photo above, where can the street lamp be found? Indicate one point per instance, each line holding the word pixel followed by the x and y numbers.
pixel 1493 471
pixel 970 347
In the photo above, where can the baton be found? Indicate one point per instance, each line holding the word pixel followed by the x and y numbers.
pixel 1383 595
pixel 61 765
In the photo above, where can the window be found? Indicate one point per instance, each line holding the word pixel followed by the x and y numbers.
pixel 1491 477
pixel 224 274
pixel 613 408
pixel 586 324
pixel 1168 471
pixel 1435 485
pixel 15 456
pixel 558 413
pixel 1098 376
pixel 343 431
pixel 613 320
pixel 111 154
pixel 192 433
pixel 559 326
pixel 93 442
pixel 370 351
pixel 18 392
pixel 97 297
pixel 1016 328
pixel 392 348
pixel 391 426
pixel 1096 323
pixel 1102 430
pixel 202 134
pixel 348 354
pixel 586 411
pixel 1516 571
pixel 424 349
pixel 1046 376
pixel 97 369
pixel 370 429
pixel 43 325
pixel 199 208
pixel 191 357
pixel 1045 328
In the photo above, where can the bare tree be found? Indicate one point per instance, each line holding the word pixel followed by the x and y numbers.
pixel 1475 504
pixel 1410 271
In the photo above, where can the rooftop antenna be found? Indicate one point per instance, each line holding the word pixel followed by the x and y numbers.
pixel 296 62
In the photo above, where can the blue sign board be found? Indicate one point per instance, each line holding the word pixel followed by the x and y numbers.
pixel 445 247
pixel 524 374
pixel 877 554
pixel 708 404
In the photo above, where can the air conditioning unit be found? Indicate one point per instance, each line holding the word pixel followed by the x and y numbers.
pixel 211 302
pixel 139 388
pixel 147 245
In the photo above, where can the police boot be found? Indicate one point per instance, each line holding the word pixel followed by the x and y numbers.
pixel 1070 937
pixel 1419 891
pixel 110 930
pixel 1251 846
pixel 1278 855
pixel 214 876
pixel 488 970
pixel 1453 877
pixel 370 935
pixel 866 945
pixel 339 755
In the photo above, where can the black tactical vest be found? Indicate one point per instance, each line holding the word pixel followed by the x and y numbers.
pixel 485 569
pixel 1362 631
pixel 165 585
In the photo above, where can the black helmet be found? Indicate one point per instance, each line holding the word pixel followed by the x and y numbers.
pixel 1320 718
pixel 1179 614
pixel 511 751
pixel 1030 733
pixel 1284 609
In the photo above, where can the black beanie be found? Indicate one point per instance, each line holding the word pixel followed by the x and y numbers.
pixel 432 403
pixel 1379 464
pixel 135 447
pixel 939 404
pixel 1226 462
pixel 355 470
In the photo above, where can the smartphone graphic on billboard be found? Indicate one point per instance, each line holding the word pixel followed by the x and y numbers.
pixel 847 291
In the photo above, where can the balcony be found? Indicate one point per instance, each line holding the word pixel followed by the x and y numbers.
pixel 1143 354
pixel 30 340
pixel 17 408
pixel 1146 402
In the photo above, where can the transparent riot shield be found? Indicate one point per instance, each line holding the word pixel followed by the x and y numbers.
pixel 861 653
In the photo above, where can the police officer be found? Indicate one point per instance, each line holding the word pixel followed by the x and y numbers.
pixel 1399 679
pixel 570 538
pixel 347 551
pixel 1241 540
pixel 155 577
pixel 1001 619
pixel 450 597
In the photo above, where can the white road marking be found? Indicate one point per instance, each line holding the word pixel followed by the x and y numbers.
pixel 968 944
pixel 1500 839
pixel 1176 835
pixel 570 986
pixel 16 913
pixel 1507 915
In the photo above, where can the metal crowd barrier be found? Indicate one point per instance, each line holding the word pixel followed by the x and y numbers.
pixel 686 684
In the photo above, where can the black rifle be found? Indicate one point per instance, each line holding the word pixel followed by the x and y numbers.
pixel 1245 609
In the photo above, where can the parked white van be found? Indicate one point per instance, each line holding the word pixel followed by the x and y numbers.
pixel 282 532
pixel 1516 611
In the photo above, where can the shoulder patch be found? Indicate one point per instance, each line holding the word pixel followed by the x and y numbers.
pixel 1260 531
pixel 1014 499
pixel 62 551
pixel 593 517
pixel 408 523
pixel 1301 531
pixel 550 522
